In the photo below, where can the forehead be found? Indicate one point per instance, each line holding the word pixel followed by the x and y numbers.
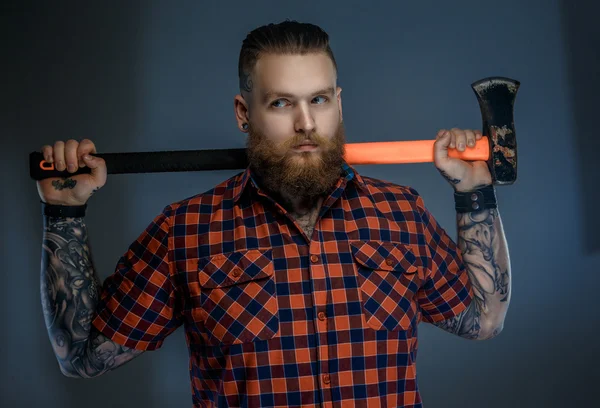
pixel 294 74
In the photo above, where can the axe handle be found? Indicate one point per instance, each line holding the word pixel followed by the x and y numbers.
pixel 417 151
pixel 413 151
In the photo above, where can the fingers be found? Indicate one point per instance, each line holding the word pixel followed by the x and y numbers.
pixel 59 155
pixel 460 139
pixel 70 155
pixel 47 152
pixel 470 137
pixel 463 138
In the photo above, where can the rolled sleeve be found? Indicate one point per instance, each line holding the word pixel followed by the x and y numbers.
pixel 138 304
pixel 447 289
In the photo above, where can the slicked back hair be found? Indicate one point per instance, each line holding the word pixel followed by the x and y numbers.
pixel 286 38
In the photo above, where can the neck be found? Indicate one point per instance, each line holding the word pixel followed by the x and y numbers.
pixel 300 206
pixel 304 210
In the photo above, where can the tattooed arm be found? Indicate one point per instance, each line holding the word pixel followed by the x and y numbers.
pixel 69 292
pixel 485 253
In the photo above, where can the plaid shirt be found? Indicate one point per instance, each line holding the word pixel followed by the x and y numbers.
pixel 275 318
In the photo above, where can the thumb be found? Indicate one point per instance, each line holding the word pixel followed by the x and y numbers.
pixel 440 147
pixel 98 166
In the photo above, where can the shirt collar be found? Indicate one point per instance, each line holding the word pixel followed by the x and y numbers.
pixel 243 179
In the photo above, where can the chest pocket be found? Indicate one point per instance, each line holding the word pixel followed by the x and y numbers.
pixel 389 278
pixel 238 297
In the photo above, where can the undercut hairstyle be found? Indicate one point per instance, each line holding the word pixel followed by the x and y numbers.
pixel 286 38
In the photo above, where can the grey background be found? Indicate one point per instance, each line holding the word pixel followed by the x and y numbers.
pixel 162 75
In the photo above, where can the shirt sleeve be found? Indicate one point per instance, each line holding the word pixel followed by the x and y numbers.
pixel 447 289
pixel 138 304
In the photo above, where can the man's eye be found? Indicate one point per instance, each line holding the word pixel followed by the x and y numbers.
pixel 279 103
pixel 321 98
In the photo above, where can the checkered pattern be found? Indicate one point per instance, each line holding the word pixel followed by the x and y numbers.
pixel 275 318
pixel 238 297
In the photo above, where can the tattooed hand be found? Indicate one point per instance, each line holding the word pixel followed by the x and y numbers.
pixel 462 175
pixel 78 189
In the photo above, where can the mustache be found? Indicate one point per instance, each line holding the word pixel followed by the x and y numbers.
pixel 303 137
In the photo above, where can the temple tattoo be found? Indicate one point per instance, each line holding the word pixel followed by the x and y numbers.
pixel 485 254
pixel 246 82
pixel 69 293
pixel 62 184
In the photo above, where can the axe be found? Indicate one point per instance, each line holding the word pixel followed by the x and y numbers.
pixel 496 97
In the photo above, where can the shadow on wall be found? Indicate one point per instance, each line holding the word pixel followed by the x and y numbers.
pixel 582 44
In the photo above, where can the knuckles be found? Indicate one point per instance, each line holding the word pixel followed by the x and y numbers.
pixel 70 143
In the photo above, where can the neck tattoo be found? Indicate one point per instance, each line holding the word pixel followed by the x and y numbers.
pixel 307 220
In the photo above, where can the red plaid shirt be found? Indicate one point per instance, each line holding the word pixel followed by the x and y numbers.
pixel 275 318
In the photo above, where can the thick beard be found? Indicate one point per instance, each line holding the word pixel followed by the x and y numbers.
pixel 303 176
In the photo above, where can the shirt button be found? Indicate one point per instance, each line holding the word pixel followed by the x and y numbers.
pixel 326 378
pixel 237 272
pixel 322 316
pixel 314 258
pixel 389 261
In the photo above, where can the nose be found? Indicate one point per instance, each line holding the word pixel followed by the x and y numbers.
pixel 305 123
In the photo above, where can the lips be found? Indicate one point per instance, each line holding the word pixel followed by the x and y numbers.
pixel 307 143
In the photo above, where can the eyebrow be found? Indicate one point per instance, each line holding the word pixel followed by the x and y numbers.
pixel 275 94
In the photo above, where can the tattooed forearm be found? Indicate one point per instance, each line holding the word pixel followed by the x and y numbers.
pixel 69 294
pixel 102 355
pixel 485 254
pixel 62 184
pixel 465 324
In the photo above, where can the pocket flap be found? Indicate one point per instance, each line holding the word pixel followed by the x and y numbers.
pixel 386 256
pixel 224 270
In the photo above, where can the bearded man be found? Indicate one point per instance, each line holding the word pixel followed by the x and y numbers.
pixel 299 282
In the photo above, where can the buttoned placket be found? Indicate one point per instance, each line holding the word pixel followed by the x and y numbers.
pixel 318 276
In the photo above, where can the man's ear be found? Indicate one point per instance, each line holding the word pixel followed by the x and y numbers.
pixel 339 101
pixel 240 107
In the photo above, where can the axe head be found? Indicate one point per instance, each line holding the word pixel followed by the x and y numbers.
pixel 496 97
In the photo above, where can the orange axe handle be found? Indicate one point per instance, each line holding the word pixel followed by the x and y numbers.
pixel 414 151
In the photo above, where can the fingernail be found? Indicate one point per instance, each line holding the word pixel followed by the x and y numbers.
pixel 71 167
pixel 87 157
pixel 471 143
pixel 61 165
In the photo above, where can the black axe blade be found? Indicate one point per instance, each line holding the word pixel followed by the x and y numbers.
pixel 496 97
